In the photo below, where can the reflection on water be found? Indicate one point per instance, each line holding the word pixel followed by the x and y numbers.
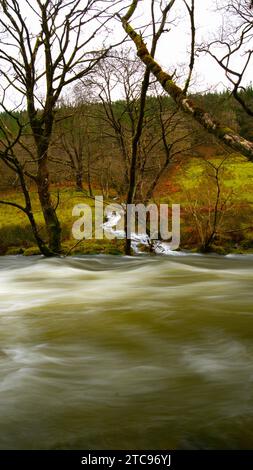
pixel 110 352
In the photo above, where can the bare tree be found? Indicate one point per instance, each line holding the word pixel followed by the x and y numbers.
pixel 179 94
pixel 42 52
pixel 8 156
pixel 210 202
pixel 74 136
pixel 118 81
pixel 232 50
pixel 161 136
pixel 157 32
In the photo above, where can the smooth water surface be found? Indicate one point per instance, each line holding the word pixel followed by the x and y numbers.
pixel 110 352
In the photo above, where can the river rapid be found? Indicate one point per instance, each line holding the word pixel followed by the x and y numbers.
pixel 132 353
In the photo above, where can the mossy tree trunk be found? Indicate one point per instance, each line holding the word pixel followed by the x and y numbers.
pixel 51 220
pixel 228 136
pixel 46 56
pixel 144 89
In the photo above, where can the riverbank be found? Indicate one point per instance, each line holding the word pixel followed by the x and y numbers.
pixel 116 247
pixel 187 187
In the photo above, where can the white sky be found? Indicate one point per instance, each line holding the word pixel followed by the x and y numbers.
pixel 173 50
pixel 174 46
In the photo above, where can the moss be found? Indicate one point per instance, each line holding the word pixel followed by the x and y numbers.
pixel 33 251
pixel 173 89
pixel 163 78
pixel 113 251
pixel 194 250
pixel 16 235
pixel 133 35
pixel 247 244
pixel 143 52
pixel 242 251
pixel 14 251
pixel 224 130
pixel 156 69
pixel 219 250
pixel 95 247
pixel 131 10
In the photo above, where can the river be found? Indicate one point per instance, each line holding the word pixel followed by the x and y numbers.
pixel 132 353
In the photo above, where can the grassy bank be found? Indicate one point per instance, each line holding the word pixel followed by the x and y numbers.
pixel 192 184
pixel 16 236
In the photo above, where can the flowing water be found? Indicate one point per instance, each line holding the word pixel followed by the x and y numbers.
pixel 113 352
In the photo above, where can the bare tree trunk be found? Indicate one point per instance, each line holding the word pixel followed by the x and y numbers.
pixel 51 220
pixel 89 183
pixel 209 240
pixel 46 55
pixel 144 89
pixel 79 179
pixel 27 209
pixel 89 174
pixel 226 135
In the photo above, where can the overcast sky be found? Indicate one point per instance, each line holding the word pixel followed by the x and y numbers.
pixel 173 50
pixel 174 46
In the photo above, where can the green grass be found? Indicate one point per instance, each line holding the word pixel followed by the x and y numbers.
pixel 237 175
pixel 16 236
pixel 192 183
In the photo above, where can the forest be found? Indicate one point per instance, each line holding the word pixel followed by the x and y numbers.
pixel 113 123
pixel 126 234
